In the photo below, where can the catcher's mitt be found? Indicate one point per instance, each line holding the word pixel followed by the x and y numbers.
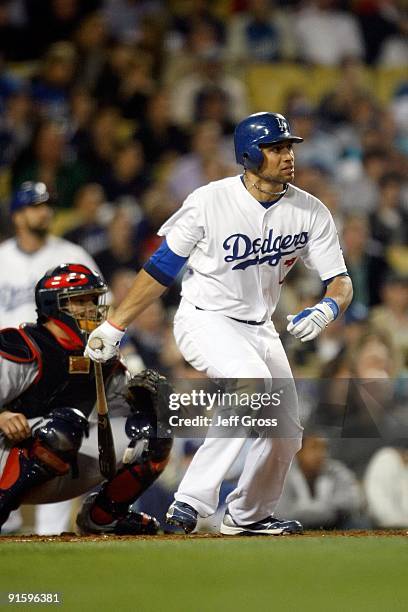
pixel 148 394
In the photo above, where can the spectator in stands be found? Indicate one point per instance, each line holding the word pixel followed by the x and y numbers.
pixel 89 232
pixel 91 43
pixel 389 222
pixel 12 38
pixel 336 106
pixel 391 316
pixel 326 34
pixel 212 105
pixel 386 486
pixel 210 71
pixel 364 408
pixel 98 146
pixel 364 259
pixel 380 22
pixel 128 176
pixel 363 119
pixel 51 21
pixel 47 162
pixel 159 136
pixel 82 111
pixel 118 58
pixel 136 86
pixel 152 41
pixel 123 17
pixel 323 492
pixel 399 109
pixel 10 84
pixel 260 34
pixel 329 193
pixel 186 17
pixel 122 251
pixel 394 50
pixel 15 127
pixel 311 177
pixel 361 193
pixel 321 148
pixel 50 88
pixel 194 33
pixel 206 162
pixel 126 80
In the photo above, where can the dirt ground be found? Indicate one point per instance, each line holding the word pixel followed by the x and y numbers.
pixel 72 537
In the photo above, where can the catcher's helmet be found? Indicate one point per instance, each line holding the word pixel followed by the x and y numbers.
pixel 257 130
pixel 55 289
pixel 29 194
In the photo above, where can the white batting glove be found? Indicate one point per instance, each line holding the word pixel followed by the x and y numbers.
pixel 110 336
pixel 310 322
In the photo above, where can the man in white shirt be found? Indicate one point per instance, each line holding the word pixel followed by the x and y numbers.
pixel 31 252
pixel 240 237
pixel 325 35
pixel 386 486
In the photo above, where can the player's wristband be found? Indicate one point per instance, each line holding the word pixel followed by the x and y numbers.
pixel 121 329
pixel 333 306
pixel 111 332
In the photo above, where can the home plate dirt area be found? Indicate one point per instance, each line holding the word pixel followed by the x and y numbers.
pixel 72 537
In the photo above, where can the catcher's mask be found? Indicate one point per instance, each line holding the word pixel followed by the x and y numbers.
pixel 73 294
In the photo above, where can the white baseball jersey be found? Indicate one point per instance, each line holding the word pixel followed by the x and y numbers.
pixel 20 271
pixel 240 252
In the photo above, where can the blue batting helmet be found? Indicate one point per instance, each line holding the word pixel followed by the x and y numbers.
pixel 29 194
pixel 257 130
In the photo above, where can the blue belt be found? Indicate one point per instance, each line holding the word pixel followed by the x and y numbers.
pixel 239 320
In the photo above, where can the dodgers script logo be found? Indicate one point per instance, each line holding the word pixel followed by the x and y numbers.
pixel 270 250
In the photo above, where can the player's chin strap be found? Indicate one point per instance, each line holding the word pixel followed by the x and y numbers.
pixel 264 191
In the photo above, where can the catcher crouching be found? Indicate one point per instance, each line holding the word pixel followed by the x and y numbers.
pixel 48 442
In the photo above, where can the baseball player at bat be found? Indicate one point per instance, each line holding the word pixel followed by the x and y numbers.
pixel 240 236
pixel 48 441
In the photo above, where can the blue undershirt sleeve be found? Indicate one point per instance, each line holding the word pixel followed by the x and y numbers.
pixel 164 264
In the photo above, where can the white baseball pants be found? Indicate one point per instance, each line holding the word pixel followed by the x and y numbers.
pixel 224 348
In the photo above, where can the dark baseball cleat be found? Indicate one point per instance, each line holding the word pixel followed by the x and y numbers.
pixel 182 515
pixel 137 523
pixel 270 526
pixel 134 523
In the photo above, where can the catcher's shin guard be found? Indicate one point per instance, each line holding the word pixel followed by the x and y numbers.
pixel 50 452
pixel 133 523
pixel 116 495
pixel 23 470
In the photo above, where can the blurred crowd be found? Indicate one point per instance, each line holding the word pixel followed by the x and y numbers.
pixel 123 107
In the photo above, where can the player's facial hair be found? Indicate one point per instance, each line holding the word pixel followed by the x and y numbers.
pixel 39 231
pixel 39 228
pixel 269 179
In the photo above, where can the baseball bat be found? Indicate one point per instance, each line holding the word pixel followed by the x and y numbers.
pixel 106 447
